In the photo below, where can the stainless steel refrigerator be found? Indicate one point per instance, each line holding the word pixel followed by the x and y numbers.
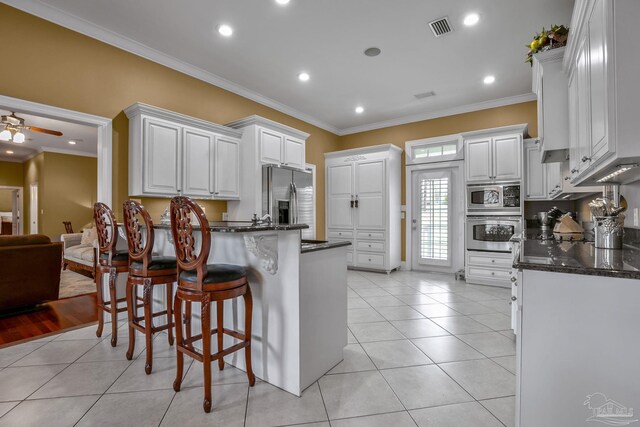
pixel 287 195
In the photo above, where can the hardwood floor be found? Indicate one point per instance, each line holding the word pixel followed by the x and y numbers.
pixel 49 318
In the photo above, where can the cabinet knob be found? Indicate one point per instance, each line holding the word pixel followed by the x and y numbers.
pixel 513 280
pixel 493 260
pixel 493 273
pixel 574 170
pixel 216 192
pixel 513 298
pixel 585 159
pixel 369 245
pixel 369 259
pixel 567 178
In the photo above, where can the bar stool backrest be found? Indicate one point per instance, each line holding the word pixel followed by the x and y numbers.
pixel 107 229
pixel 139 249
pixel 184 239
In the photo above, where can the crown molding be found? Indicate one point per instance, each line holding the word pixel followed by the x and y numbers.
pixel 484 105
pixel 66 151
pixel 521 129
pixel 364 150
pixel 4 158
pixel 261 121
pixel 77 24
pixel 139 108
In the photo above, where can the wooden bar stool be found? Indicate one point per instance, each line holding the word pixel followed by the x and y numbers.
pixel 199 282
pixel 147 271
pixel 111 262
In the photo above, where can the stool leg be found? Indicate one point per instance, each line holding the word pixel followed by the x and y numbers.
pixel 177 313
pixel 206 351
pixel 100 303
pixel 148 322
pixel 113 306
pixel 187 319
pixel 132 312
pixel 248 313
pixel 170 311
pixel 220 328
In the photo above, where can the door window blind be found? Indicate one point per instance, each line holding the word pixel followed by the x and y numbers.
pixel 434 218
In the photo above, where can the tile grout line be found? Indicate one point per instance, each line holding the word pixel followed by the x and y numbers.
pixel 326 411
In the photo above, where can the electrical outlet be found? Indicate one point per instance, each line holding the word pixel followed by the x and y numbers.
pixel 225 216
pixel 402 215
pixel 636 219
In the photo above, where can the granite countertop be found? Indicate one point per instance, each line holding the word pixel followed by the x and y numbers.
pixel 320 245
pixel 241 226
pixel 577 258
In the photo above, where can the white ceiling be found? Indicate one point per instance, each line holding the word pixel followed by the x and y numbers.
pixel 272 44
pixel 86 138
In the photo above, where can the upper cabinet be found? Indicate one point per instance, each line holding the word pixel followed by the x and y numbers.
pixel 494 154
pixel 171 154
pixel 550 86
pixel 602 66
pixel 264 142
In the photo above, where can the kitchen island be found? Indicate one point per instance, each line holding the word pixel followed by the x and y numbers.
pixel 299 299
pixel 578 341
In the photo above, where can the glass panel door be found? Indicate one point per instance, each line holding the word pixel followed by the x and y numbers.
pixel 432 222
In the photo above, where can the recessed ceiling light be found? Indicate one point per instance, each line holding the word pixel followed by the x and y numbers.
pixel 9 152
pixel 72 142
pixel 372 51
pixel 359 109
pixel 282 2
pixel 489 79
pixel 225 30
pixel 471 19
pixel 304 77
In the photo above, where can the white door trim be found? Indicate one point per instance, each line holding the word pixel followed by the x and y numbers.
pixel 102 124
pixel 409 169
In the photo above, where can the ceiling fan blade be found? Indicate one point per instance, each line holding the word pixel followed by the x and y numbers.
pixel 41 130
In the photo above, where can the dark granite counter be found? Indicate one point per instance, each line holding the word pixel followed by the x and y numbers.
pixel 320 245
pixel 577 258
pixel 241 227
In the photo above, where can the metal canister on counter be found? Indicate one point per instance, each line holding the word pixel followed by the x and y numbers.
pixel 609 231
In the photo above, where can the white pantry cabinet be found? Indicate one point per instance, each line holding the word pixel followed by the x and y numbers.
pixel 494 154
pixel 602 65
pixel 363 205
pixel 171 154
pixel 263 142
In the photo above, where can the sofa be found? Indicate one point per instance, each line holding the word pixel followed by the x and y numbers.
pixel 80 250
pixel 29 271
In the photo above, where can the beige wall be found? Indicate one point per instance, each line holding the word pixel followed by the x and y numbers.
pixel 485 119
pixel 66 69
pixel 33 174
pixel 70 192
pixel 10 175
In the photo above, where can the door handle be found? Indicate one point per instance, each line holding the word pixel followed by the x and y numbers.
pixel 352 201
pixel 356 202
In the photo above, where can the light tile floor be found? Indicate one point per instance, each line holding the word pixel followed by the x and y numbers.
pixel 423 350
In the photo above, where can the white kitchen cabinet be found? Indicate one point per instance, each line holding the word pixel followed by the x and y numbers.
pixel 535 171
pixel 489 268
pixel 278 148
pixel 479 160
pixel 550 86
pixel 507 158
pixel 602 64
pixel 226 174
pixel 554 180
pixel 162 164
pixel 197 153
pixel 363 205
pixel 494 154
pixel 263 142
pixel 171 154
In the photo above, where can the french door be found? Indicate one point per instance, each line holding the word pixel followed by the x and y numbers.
pixel 437 211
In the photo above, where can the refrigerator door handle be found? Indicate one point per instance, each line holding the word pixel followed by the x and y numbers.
pixel 293 205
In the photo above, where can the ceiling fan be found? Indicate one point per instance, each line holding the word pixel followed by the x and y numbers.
pixel 14 125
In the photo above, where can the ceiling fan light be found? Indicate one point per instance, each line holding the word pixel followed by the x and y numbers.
pixel 18 138
pixel 5 135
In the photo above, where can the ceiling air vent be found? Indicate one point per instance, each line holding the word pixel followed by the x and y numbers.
pixel 440 27
pixel 424 95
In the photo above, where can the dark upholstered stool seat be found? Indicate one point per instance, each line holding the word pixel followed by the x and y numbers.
pixel 117 256
pixel 157 263
pixel 216 273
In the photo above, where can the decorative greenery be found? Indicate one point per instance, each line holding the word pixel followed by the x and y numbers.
pixel 546 40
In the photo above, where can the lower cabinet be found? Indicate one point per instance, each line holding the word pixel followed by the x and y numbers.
pixel 489 268
pixel 367 250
